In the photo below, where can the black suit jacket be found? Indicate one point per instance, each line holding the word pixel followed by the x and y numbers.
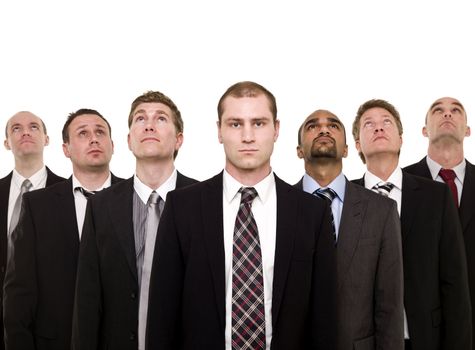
pixel 51 179
pixel 41 274
pixel 107 292
pixel 436 297
pixel 467 219
pixel 369 272
pixel 187 290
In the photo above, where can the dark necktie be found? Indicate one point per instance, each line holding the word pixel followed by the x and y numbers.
pixel 448 175
pixel 383 188
pixel 25 187
pixel 248 313
pixel 85 192
pixel 329 195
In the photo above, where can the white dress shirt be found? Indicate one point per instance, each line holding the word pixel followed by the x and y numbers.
pixel 80 202
pixel 264 209
pixel 38 180
pixel 144 192
pixel 459 170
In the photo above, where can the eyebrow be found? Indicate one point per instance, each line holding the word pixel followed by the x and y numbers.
pixel 159 111
pixel 435 104
pixel 330 119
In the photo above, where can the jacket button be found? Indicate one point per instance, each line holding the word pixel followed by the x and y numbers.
pixel 133 296
pixel 132 336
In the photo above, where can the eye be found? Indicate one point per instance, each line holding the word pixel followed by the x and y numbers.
pixel 235 124
pixel 162 118
pixel 335 126
pixel 100 132
pixel 387 122
pixel 35 127
pixel 437 110
pixel 16 129
pixel 368 124
pixel 311 126
pixel 259 123
pixel 456 110
pixel 139 118
pixel 82 133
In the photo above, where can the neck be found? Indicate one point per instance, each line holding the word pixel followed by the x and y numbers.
pixel 28 167
pixel 251 177
pixel 447 154
pixel 92 180
pixel 154 173
pixel 324 172
pixel 382 165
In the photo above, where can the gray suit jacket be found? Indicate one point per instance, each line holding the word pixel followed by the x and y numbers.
pixel 369 272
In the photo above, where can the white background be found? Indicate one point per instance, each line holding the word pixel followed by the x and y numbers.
pixel 59 56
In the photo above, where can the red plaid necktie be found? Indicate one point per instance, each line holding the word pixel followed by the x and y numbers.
pixel 248 315
pixel 448 175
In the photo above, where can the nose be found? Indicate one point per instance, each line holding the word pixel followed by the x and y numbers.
pixel 447 114
pixel 247 134
pixel 93 139
pixel 149 126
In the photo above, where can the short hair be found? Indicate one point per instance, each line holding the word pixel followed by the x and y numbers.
pixel 41 120
pixel 158 97
pixel 74 115
pixel 374 103
pixel 299 136
pixel 247 89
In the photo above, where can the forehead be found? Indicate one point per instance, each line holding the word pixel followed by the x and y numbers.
pixel 377 112
pixel 87 120
pixel 152 107
pixel 446 101
pixel 243 107
pixel 24 118
pixel 323 116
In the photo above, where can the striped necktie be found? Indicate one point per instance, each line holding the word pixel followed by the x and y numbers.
pixel 329 195
pixel 383 188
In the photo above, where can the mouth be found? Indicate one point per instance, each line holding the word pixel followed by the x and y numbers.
pixel 150 139
pixel 248 150
pixel 94 151
pixel 447 122
pixel 323 139
pixel 379 138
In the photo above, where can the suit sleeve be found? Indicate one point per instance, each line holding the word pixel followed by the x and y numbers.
pixel 456 307
pixel 20 285
pixel 388 309
pixel 324 285
pixel 88 299
pixel 166 285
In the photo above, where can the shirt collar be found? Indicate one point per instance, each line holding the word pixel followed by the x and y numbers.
pixel 370 180
pixel 231 187
pixel 35 179
pixel 338 185
pixel 144 191
pixel 77 183
pixel 435 167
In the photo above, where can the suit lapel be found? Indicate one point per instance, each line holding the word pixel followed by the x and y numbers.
pixel 408 203
pixel 68 220
pixel 352 215
pixel 120 208
pixel 4 197
pixel 287 214
pixel 467 201
pixel 212 208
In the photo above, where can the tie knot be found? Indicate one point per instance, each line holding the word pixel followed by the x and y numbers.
pixel 383 188
pixel 325 193
pixel 447 174
pixel 247 194
pixel 26 185
pixel 153 199
pixel 85 193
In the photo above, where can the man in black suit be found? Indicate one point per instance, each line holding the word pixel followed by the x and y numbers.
pixel 26 137
pixel 446 128
pixel 436 298
pixel 41 274
pixel 205 286
pixel 367 229
pixel 117 248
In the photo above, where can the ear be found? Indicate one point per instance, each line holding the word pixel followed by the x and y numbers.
pixel 66 150
pixel 7 145
pixel 467 131
pixel 128 141
pixel 345 151
pixel 220 137
pixel 112 143
pixel 358 146
pixel 299 152
pixel 424 132
pixel 179 141
pixel 276 129
pixel 46 140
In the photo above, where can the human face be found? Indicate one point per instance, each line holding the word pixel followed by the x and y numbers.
pixel 152 134
pixel 90 146
pixel 322 136
pixel 446 119
pixel 378 133
pixel 247 131
pixel 25 135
